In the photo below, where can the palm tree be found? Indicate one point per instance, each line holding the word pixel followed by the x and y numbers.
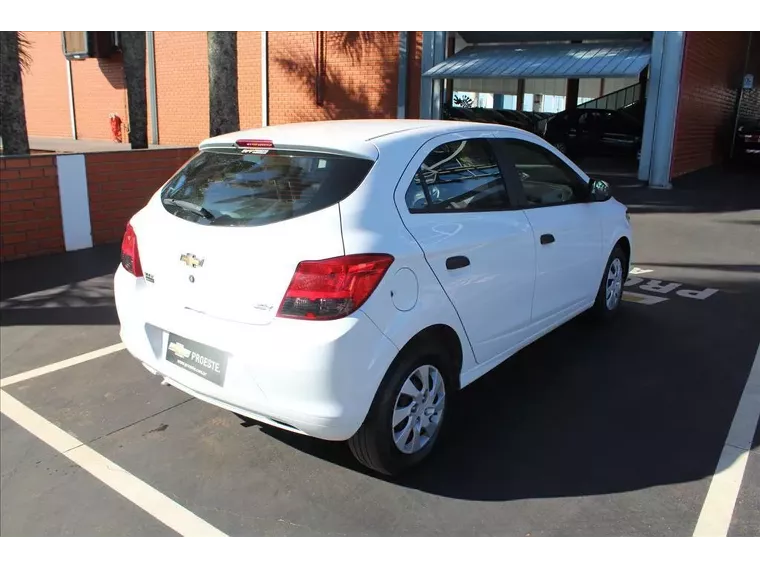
pixel 224 115
pixel 14 56
pixel 24 46
pixel 133 51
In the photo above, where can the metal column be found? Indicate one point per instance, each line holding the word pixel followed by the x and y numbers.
pixel 150 42
pixel 433 52
pixel 662 105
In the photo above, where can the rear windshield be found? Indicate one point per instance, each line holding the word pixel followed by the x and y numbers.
pixel 227 188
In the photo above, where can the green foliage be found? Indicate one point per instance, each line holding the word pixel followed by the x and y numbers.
pixel 24 49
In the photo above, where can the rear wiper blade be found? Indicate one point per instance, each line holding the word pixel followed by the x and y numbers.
pixel 192 207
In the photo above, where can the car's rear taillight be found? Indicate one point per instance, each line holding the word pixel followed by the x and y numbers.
pixel 130 257
pixel 333 288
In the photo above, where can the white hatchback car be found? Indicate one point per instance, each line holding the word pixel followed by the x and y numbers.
pixel 344 279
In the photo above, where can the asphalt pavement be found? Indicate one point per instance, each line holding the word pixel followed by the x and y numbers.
pixel 611 430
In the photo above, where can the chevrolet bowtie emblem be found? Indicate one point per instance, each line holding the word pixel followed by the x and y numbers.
pixel 179 350
pixel 191 260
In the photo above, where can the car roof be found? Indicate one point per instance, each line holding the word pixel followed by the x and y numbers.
pixel 351 137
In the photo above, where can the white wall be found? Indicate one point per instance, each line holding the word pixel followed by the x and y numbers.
pixel 611 85
pixel 502 86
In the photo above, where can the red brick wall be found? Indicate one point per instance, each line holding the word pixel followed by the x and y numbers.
pixel 30 207
pixel 361 72
pixel 99 90
pixel 120 183
pixel 46 87
pixel 360 81
pixel 414 76
pixel 182 87
pixel 710 79
pixel 249 79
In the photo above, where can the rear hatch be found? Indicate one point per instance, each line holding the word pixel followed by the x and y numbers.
pixel 225 235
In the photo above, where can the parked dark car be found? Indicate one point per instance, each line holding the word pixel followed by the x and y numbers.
pixel 461 113
pixel 499 117
pixel 490 116
pixel 525 120
pixel 595 132
pixel 747 147
pixel 635 110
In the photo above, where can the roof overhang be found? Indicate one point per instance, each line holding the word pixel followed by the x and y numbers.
pixel 546 61
pixel 511 37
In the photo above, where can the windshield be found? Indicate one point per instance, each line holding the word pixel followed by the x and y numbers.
pixel 227 188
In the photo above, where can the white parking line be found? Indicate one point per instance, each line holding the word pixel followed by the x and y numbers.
pixel 718 508
pixel 644 299
pixel 60 365
pixel 637 270
pixel 152 501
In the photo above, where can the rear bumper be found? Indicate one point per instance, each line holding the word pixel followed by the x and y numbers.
pixel 315 378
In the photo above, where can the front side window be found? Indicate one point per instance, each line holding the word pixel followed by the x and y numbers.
pixel 234 189
pixel 460 176
pixel 546 179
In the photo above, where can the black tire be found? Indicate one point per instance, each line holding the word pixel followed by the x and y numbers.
pixel 600 309
pixel 373 444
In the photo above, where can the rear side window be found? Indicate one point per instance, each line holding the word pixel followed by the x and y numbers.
pixel 460 176
pixel 226 188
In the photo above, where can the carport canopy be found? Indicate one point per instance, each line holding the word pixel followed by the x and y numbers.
pixel 549 60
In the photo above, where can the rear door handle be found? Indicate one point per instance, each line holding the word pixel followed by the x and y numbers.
pixel 454 262
pixel 547 238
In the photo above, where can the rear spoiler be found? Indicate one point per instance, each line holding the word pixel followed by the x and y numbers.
pixel 232 147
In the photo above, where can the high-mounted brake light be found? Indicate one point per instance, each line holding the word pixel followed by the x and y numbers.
pixel 130 257
pixel 333 288
pixel 254 144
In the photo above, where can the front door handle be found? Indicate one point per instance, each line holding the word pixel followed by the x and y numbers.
pixel 454 262
pixel 547 238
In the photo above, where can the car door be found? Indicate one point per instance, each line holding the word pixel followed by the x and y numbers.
pixel 621 134
pixel 453 200
pixel 567 229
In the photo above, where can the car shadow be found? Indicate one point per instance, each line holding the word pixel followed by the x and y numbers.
pixel 715 189
pixel 643 401
pixel 74 288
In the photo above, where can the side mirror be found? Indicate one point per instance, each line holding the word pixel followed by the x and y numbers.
pixel 599 190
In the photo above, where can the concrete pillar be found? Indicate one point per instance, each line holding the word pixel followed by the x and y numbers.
pixel 520 94
pixel 571 95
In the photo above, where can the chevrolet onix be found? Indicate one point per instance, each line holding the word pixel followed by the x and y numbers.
pixel 345 279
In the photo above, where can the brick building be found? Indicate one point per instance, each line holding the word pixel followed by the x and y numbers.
pixel 359 79
pixel 692 82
